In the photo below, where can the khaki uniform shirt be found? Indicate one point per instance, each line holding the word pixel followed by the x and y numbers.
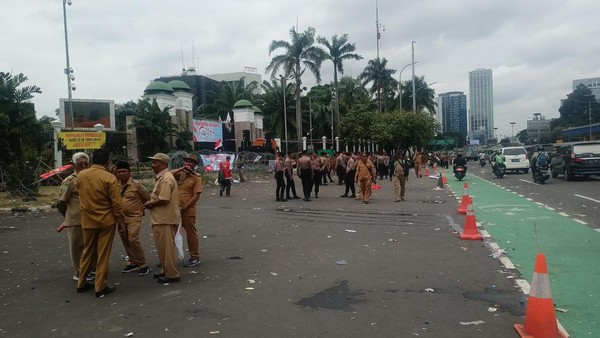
pixel 398 168
pixel 364 170
pixel 165 189
pixel 134 195
pixel 189 185
pixel 100 198
pixel 70 195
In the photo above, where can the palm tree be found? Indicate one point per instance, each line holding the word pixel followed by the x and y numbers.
pixel 339 50
pixel 299 55
pixel 352 93
pixel 153 127
pixel 425 96
pixel 271 104
pixel 224 95
pixel 381 77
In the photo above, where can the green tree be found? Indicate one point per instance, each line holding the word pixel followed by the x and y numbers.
pixel 298 55
pixel 338 50
pixel 320 100
pixel 153 126
pixel 352 94
pixel 574 111
pixel 383 82
pixel 425 98
pixel 271 104
pixel 356 125
pixel 224 95
pixel 403 130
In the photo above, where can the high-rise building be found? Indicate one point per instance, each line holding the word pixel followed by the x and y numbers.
pixel 481 105
pixel 592 83
pixel 452 112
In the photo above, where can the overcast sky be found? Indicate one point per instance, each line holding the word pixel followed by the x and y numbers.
pixel 534 48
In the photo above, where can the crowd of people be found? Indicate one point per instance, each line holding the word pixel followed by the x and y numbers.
pixel 99 200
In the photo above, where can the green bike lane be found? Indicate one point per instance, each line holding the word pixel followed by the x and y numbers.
pixel 572 250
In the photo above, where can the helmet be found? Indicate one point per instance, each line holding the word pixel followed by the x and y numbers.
pixel 498 152
pixel 540 148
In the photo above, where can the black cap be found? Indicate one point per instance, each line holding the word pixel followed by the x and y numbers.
pixel 123 165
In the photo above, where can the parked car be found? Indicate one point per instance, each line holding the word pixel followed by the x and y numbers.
pixel 576 158
pixel 516 159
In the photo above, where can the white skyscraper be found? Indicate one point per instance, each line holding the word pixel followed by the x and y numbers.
pixel 481 105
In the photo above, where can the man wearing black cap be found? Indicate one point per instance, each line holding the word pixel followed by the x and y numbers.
pixel 190 188
pixel 134 195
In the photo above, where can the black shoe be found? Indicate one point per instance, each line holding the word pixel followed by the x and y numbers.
pixel 296 197
pixel 169 280
pixel 284 200
pixel 344 195
pixel 316 196
pixel 85 287
pixel 325 184
pixel 106 291
pixel 130 267
pixel 158 275
pixel 221 192
pixel 352 196
pixel 277 199
pixel 143 271
pixel 306 199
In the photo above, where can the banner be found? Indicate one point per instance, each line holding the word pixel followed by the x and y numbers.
pixel 207 131
pixel 82 139
pixel 211 162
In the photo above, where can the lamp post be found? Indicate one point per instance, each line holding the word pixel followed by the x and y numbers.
pixel 414 99
pixel 68 70
pixel 414 93
pixel 400 83
pixel 284 113
pixel 310 120
pixel 56 124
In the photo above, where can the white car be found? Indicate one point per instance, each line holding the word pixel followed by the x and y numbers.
pixel 516 159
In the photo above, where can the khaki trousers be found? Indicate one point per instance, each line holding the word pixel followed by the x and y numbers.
pixel 164 238
pixel 99 241
pixel 365 188
pixel 399 186
pixel 130 236
pixel 75 236
pixel 193 241
pixel 418 169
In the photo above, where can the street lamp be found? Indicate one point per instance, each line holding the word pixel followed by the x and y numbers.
pixel 68 70
pixel 414 93
pixel 56 124
pixel 414 99
pixel 284 112
pixel 589 102
pixel 400 82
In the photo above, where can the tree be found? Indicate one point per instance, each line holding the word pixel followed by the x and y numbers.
pixel 320 100
pixel 404 130
pixel 153 126
pixel 271 104
pixel 298 55
pixel 381 77
pixel 352 94
pixel 224 95
pixel 574 111
pixel 338 50
pixel 425 97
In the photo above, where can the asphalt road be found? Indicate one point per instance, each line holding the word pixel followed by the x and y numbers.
pixel 333 267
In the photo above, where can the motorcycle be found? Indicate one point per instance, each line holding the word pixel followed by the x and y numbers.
pixel 541 174
pixel 460 172
pixel 499 170
pixel 482 162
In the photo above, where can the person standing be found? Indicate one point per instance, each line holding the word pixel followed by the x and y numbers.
pixel 365 174
pixel 399 178
pixel 418 158
pixel 226 178
pixel 68 205
pixel 348 175
pixel 164 216
pixel 340 168
pixel 189 184
pixel 101 211
pixel 305 174
pixel 316 168
pixel 289 175
pixel 325 168
pixel 133 195
pixel 279 169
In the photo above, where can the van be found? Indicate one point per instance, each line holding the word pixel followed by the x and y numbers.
pixel 516 159
pixel 576 158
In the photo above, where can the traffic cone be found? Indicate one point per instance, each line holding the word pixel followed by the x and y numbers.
pixel 470 230
pixel 464 201
pixel 426 171
pixel 444 178
pixel 440 184
pixel 540 318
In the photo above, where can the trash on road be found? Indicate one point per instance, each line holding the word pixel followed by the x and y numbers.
pixel 561 310
pixel 234 257
pixel 130 334
pixel 392 240
pixel 477 322
pixel 342 262
pixel 499 253
pixel 273 273
pixel 492 309
pixel 429 290
pixel 348 230
pixel 251 281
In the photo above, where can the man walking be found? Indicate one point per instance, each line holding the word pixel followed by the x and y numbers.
pixel 365 173
pixel 316 168
pixel 226 178
pixel 399 179
pixel 279 169
pixel 289 176
pixel 164 216
pixel 305 174
pixel 189 184
pixel 134 195
pixel 349 174
pixel 101 210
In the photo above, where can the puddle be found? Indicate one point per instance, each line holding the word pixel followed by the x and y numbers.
pixel 336 298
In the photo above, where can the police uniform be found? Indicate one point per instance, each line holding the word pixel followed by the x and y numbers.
pixel 189 184
pixel 133 195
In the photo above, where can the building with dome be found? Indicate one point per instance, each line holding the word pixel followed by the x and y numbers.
pixel 248 123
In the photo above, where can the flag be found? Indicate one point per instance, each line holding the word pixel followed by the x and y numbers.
pixel 218 144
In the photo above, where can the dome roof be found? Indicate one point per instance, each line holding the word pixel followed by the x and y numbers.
pixel 256 109
pixel 179 85
pixel 158 87
pixel 243 104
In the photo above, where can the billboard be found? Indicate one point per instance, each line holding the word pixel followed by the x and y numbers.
pixel 87 113
pixel 207 131
pixel 82 140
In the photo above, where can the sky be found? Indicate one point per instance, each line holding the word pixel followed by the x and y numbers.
pixel 534 48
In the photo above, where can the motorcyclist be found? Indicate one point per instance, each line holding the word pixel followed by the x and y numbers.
pixel 498 159
pixel 533 162
pixel 459 161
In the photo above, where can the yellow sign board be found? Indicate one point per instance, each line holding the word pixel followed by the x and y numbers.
pixel 82 139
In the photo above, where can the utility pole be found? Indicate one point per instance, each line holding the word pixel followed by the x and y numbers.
pixel 414 94
pixel 378 61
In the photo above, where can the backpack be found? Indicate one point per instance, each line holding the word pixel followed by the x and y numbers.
pixel 542 159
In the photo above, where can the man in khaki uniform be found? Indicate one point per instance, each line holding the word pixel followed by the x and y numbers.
pixel 399 179
pixel 165 217
pixel 365 173
pixel 134 195
pixel 68 205
pixel 189 183
pixel 101 210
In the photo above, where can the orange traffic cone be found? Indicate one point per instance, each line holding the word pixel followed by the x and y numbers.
pixel 426 171
pixel 540 318
pixel 462 208
pixel 435 167
pixel 444 179
pixel 470 230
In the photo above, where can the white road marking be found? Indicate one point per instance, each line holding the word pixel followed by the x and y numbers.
pixel 563 214
pixel 587 198
pixel 597 230
pixel 550 208
pixel 579 221
pixel 526 181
